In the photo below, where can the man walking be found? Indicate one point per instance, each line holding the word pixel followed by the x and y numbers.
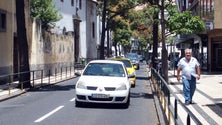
pixel 190 68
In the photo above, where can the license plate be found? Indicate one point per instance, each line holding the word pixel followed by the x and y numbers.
pixel 100 96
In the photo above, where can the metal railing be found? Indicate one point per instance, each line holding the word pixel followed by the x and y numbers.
pixel 39 78
pixel 165 95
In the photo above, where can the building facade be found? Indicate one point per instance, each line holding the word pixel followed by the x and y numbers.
pixel 7 32
pixel 207 46
pixel 79 17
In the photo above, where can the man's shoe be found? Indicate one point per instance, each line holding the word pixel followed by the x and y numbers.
pixel 191 102
pixel 187 103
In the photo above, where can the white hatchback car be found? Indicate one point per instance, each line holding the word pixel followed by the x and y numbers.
pixel 103 81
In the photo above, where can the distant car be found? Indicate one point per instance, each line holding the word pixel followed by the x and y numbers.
pixel 103 81
pixel 130 69
pixel 134 59
pixel 141 58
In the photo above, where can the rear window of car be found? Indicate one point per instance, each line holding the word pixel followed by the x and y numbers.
pixel 126 62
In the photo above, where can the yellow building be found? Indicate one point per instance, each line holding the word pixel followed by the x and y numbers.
pixel 7 31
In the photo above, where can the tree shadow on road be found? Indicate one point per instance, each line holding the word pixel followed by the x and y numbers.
pixel 141 95
pixel 54 87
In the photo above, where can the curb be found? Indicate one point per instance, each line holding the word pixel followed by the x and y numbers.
pixel 13 94
pixel 20 92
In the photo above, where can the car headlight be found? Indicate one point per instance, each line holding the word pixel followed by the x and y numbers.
pixel 81 85
pixel 121 87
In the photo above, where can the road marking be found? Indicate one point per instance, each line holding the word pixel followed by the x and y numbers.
pixel 72 100
pixel 50 113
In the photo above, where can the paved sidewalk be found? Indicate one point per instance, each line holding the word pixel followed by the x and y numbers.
pixel 207 98
pixel 7 93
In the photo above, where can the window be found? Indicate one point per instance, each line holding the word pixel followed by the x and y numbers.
pixel 2 21
pixel 80 4
pixel 93 30
pixel 72 2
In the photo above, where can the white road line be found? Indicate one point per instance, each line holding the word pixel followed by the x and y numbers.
pixel 50 113
pixel 72 100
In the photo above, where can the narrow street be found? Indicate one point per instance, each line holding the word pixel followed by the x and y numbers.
pixel 55 105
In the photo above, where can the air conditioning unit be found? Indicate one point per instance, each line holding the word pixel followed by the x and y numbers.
pixel 209 25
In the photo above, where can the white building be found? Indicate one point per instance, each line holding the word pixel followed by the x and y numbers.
pixel 79 17
pixel 66 8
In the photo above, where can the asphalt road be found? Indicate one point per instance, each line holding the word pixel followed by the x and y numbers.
pixel 55 105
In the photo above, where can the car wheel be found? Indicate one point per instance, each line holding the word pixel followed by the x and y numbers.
pixel 126 105
pixel 133 85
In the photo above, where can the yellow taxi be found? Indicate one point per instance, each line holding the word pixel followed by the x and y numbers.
pixel 130 69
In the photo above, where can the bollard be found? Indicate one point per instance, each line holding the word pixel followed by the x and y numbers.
pixel 21 86
pixel 169 116
pixel 83 61
pixel 9 89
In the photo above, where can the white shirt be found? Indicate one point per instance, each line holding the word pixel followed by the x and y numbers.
pixel 188 68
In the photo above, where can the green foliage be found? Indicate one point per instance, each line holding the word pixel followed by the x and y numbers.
pixel 184 23
pixel 141 22
pixel 45 11
pixel 121 31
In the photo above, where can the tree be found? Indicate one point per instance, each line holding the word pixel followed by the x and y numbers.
pixel 45 11
pixel 178 23
pixel 121 33
pixel 184 23
pixel 111 9
pixel 23 44
pixel 141 25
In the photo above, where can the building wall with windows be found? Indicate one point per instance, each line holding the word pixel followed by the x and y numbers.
pixel 207 46
pixel 7 30
pixel 81 5
pixel 85 12
pixel 66 8
pixel 91 31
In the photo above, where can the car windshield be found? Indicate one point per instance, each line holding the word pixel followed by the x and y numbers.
pixel 127 63
pixel 105 69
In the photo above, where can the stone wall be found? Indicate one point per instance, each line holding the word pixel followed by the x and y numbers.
pixel 50 51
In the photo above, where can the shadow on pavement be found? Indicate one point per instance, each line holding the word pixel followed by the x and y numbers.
pixel 142 78
pixel 141 95
pixel 102 106
pixel 54 87
pixel 217 108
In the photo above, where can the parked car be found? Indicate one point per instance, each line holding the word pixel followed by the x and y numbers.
pixel 103 81
pixel 130 69
pixel 134 59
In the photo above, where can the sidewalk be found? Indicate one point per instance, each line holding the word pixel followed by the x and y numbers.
pixel 7 93
pixel 207 98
